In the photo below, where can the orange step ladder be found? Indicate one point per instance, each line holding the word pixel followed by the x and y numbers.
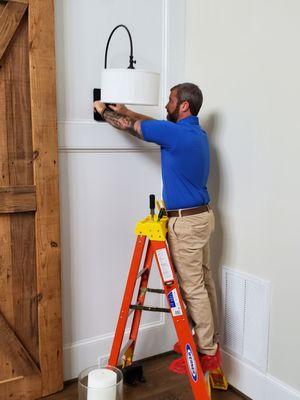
pixel 151 243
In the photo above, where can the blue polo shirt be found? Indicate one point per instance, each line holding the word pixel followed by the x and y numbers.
pixel 184 160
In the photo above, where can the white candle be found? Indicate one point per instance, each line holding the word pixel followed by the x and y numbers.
pixel 102 384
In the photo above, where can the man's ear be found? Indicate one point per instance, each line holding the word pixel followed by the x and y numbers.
pixel 185 106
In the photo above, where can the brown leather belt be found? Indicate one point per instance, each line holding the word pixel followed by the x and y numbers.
pixel 184 212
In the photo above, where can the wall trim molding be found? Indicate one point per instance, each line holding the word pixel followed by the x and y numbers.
pixel 107 150
pixel 254 383
pixel 85 134
pixel 110 335
pixel 78 355
pixel 81 122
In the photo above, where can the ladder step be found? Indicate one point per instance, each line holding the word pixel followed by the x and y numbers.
pixel 144 290
pixel 147 308
pixel 161 291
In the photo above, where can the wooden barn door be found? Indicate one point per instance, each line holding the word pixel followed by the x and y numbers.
pixel 30 301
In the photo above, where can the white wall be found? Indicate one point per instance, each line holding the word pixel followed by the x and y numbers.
pixel 105 175
pixel 244 55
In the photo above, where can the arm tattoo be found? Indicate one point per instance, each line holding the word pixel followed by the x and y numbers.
pixel 123 123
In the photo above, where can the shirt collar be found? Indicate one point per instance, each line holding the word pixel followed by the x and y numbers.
pixel 192 120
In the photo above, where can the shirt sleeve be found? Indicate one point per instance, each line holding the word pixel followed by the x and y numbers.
pixel 163 133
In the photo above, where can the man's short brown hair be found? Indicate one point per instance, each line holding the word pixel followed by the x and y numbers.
pixel 191 93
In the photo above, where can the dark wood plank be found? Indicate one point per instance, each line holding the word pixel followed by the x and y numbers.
pixel 10 19
pixel 18 362
pixel 47 224
pixel 25 282
pixel 18 108
pixel 161 385
pixel 6 291
pixel 28 388
pixel 6 282
pixel 17 369
pixel 17 199
pixel 4 171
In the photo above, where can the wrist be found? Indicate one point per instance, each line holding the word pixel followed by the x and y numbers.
pixel 127 112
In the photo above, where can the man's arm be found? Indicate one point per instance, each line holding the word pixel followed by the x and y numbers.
pixel 119 121
pixel 130 125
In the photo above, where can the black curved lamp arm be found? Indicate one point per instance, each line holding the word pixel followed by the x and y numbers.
pixel 131 60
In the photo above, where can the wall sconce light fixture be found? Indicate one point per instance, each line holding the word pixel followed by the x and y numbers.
pixel 127 85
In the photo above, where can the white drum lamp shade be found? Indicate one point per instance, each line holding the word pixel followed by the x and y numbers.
pixel 130 86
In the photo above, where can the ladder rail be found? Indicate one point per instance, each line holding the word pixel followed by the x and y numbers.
pixel 124 312
pixel 141 294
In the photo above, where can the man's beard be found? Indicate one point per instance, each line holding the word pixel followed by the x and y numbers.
pixel 173 116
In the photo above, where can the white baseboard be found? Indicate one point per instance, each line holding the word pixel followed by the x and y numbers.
pixel 276 390
pixel 255 384
pixel 154 338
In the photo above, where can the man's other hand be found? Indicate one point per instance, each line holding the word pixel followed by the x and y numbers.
pixel 99 106
pixel 119 108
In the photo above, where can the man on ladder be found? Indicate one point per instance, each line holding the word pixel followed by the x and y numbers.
pixel 185 169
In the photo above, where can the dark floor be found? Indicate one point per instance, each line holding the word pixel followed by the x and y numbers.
pixel 161 385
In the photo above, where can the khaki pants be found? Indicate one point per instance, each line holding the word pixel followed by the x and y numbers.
pixel 188 240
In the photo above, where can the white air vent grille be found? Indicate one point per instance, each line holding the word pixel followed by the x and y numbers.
pixel 246 310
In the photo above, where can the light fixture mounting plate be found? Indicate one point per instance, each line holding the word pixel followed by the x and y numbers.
pixel 97 96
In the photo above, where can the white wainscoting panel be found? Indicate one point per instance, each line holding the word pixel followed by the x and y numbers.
pixel 106 176
pixel 103 195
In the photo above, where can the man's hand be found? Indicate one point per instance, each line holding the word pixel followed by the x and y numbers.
pixel 119 108
pixel 118 120
pixel 100 107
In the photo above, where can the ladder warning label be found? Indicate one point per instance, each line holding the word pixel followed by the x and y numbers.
pixel 164 263
pixel 174 303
